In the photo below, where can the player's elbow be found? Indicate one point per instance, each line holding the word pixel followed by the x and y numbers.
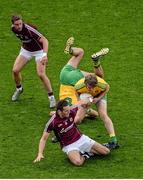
pixel 77 162
pixel 46 40
pixel 43 39
pixel 43 140
pixel 107 88
pixel 15 71
pixel 77 120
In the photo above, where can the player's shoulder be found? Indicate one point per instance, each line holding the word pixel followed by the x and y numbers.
pixel 29 25
pixel 51 120
pixel 80 84
pixel 73 110
pixel 102 83
pixel 101 80
pixel 13 28
pixel 32 29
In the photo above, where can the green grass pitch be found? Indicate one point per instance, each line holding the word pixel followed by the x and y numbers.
pixel 116 24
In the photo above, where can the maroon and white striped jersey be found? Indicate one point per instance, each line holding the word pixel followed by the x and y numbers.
pixel 29 37
pixel 65 129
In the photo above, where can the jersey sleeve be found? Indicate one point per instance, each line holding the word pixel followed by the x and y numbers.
pixel 36 35
pixel 49 126
pixel 102 84
pixel 33 32
pixel 80 86
pixel 74 111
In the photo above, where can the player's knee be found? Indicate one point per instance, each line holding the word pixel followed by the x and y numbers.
pixel 106 151
pixel 41 75
pixel 77 162
pixel 15 71
pixel 81 51
pixel 103 115
pixel 100 74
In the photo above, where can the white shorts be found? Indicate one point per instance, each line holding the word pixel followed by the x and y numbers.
pixel 102 101
pixel 28 54
pixel 84 144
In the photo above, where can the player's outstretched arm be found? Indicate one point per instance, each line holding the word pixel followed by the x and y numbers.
pixel 80 115
pixel 42 144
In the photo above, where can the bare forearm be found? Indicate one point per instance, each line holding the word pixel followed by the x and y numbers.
pixel 45 46
pixel 102 94
pixel 42 144
pixel 45 43
pixel 80 115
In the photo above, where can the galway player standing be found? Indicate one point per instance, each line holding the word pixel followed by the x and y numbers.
pixel 34 44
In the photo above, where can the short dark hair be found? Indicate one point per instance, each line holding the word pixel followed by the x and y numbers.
pixel 61 104
pixel 91 80
pixel 15 18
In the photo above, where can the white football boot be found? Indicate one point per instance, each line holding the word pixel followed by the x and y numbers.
pixel 52 101
pixel 17 94
pixel 99 54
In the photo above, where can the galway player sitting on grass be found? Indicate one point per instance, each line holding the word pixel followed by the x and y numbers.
pixel 76 145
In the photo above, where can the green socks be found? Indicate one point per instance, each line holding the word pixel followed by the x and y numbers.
pixel 96 63
pixel 113 139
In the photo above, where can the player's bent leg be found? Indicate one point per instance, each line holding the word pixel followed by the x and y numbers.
pixel 98 148
pixel 85 73
pixel 96 60
pixel 19 64
pixel 76 158
pixel 41 71
pixel 99 71
pixel 77 55
pixel 102 110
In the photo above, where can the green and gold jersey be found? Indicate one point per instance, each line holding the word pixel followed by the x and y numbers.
pixel 81 87
pixel 69 93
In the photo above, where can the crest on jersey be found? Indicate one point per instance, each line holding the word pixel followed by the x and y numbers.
pixel 59 125
pixel 26 37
